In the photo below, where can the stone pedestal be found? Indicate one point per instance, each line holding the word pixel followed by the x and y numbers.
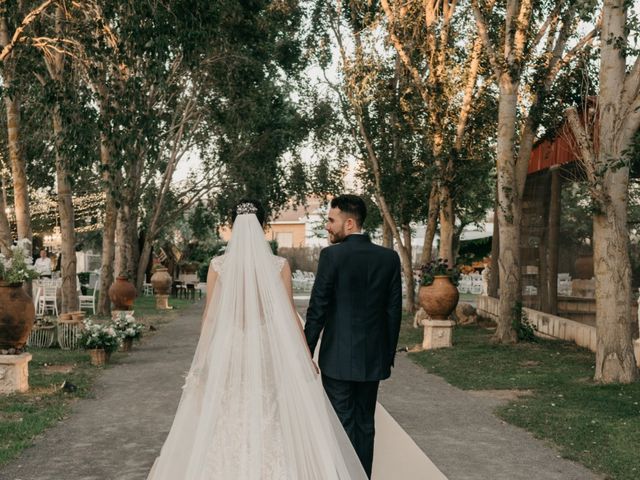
pixel 636 349
pixel 437 334
pixel 162 302
pixel 14 373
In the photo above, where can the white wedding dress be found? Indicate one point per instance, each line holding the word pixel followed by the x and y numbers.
pixel 253 407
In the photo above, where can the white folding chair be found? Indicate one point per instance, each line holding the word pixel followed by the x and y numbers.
pixel 88 301
pixel 36 299
pixel 464 285
pixel 48 299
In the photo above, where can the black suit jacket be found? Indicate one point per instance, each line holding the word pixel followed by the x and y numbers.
pixel 357 300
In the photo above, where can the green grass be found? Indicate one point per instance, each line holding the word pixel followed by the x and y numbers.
pixel 144 309
pixel 146 306
pixel 24 416
pixel 596 425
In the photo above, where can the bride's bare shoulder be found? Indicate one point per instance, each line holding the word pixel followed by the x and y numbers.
pixel 217 262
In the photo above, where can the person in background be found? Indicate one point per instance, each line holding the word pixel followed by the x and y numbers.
pixel 43 264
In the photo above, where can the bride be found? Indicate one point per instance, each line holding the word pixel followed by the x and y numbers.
pixel 253 406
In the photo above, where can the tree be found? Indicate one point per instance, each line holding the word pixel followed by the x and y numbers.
pixel 525 55
pixel 209 82
pixel 426 37
pixel 371 99
pixel 9 38
pixel 607 164
pixel 5 229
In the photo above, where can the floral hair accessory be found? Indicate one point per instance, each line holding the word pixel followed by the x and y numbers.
pixel 246 209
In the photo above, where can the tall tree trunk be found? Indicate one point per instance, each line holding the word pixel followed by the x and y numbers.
pixel 407 269
pixel 133 250
pixel 67 227
pixel 509 212
pixel 18 173
pixel 447 225
pixel 129 216
pixel 5 229
pixel 108 233
pixel 508 60
pixel 16 159
pixel 387 235
pixel 615 361
pixel 145 254
pixel 432 225
pixel 55 63
pixel 619 119
pixel 122 241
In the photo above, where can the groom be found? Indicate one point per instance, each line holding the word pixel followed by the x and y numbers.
pixel 357 301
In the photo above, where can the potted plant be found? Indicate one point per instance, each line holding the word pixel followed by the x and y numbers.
pixel 17 311
pixel 128 328
pixel 100 340
pixel 438 295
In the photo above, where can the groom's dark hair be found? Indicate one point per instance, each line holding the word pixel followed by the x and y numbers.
pixel 260 213
pixel 352 205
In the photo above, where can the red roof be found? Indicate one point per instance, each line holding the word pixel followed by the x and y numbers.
pixel 552 152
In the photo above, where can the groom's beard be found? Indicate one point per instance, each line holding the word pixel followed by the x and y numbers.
pixel 337 237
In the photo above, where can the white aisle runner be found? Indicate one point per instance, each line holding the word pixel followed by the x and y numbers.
pixel 396 455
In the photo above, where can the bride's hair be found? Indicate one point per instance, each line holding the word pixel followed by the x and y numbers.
pixel 260 213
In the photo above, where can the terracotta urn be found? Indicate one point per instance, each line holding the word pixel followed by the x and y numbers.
pixel 161 281
pixel 440 298
pixel 17 314
pixel 122 293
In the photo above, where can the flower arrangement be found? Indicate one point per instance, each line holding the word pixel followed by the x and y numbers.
pixel 96 335
pixel 127 326
pixel 17 268
pixel 438 267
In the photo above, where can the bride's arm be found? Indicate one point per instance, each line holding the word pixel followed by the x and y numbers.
pixel 285 274
pixel 212 277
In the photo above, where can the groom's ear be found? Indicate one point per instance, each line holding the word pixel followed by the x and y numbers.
pixel 353 224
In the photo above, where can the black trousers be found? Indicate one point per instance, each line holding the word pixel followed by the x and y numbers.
pixel 355 405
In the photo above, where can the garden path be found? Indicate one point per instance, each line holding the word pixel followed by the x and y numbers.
pixel 117 434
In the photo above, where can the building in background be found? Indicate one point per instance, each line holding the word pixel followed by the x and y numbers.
pixel 296 226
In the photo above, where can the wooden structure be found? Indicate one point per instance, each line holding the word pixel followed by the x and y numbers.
pixel 551 161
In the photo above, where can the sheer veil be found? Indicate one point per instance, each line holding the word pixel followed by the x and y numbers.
pixel 252 406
